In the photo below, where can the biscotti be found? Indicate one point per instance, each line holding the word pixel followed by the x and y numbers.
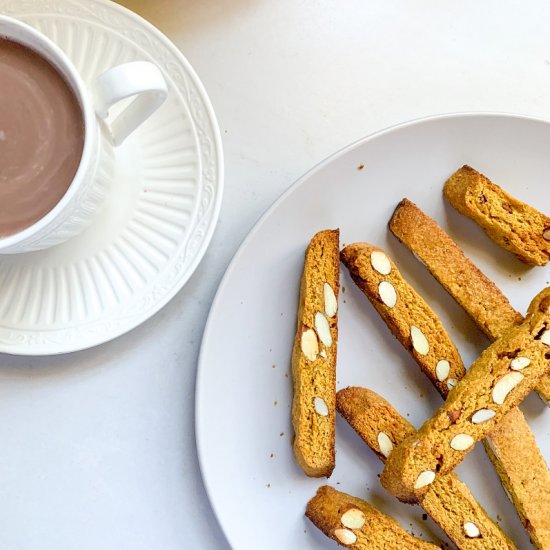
pixel 511 444
pixel 448 501
pixel 517 459
pixel 473 291
pixel 510 223
pixel 314 357
pixel 408 316
pixel 355 524
pixel 496 382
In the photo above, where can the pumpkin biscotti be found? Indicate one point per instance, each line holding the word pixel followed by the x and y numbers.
pixel 468 286
pixel 448 501
pixel 408 316
pixel 314 357
pixel 510 447
pixel 511 444
pixel 355 524
pixel 473 291
pixel 510 223
pixel 496 382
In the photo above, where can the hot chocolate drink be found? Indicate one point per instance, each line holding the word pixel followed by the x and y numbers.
pixel 41 137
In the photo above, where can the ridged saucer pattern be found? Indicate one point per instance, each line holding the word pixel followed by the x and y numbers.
pixel 161 206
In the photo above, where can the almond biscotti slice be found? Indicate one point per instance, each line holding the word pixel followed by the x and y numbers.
pixel 410 319
pixel 473 291
pixel 448 501
pixel 512 224
pixel 511 444
pixel 314 357
pixel 496 382
pixel 355 524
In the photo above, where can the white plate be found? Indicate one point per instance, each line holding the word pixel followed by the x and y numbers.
pixel 244 389
pixel 161 209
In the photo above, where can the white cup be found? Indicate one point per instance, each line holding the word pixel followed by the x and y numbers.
pixel 86 192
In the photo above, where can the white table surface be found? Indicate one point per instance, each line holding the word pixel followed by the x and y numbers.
pixel 97 447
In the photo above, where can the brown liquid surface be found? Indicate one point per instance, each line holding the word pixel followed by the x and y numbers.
pixel 41 137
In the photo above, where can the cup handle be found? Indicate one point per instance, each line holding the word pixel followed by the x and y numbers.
pixel 137 78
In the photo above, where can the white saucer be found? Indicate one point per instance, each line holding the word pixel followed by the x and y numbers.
pixel 161 209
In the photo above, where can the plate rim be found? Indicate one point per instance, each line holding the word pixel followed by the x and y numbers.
pixel 199 381
pixel 72 345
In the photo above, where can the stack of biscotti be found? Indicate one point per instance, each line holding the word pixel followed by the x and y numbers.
pixel 468 525
pixel 511 444
pixel 448 501
pixel 420 331
pixel 480 403
pixel 497 381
